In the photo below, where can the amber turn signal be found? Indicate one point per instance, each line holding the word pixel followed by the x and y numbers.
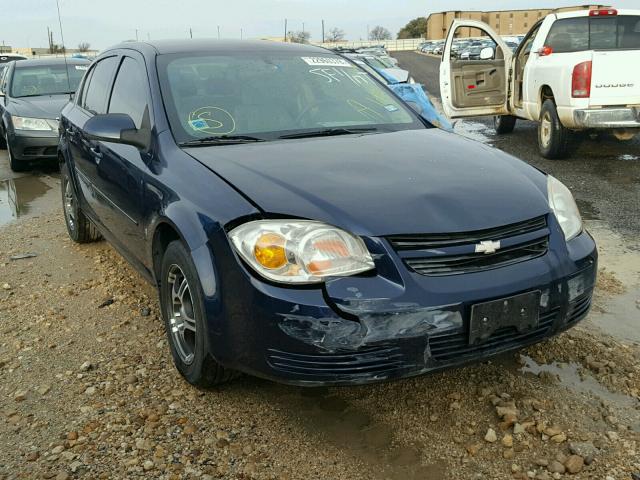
pixel 269 251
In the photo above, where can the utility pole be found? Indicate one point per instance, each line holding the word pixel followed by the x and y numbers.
pixel 218 32
pixel 303 28
pixel 190 33
pixel 285 29
pixel 322 31
pixel 148 36
pixel 240 33
pixel 136 34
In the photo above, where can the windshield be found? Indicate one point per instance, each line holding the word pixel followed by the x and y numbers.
pixel 29 81
pixel 271 95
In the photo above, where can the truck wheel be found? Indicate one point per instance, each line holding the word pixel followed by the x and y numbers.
pixel 79 227
pixel 504 124
pixel 182 304
pixel 553 137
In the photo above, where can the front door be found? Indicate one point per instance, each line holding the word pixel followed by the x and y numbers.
pixel 121 169
pixel 474 80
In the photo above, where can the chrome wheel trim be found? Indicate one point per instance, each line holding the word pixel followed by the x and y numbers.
pixel 182 322
pixel 545 129
pixel 69 204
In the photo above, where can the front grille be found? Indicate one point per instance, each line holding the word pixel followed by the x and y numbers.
pixel 439 240
pixel 579 308
pixel 451 347
pixel 450 254
pixel 475 262
pixel 40 151
pixel 369 361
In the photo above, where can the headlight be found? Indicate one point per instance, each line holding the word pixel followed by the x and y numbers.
pixel 564 206
pixel 300 251
pixel 27 123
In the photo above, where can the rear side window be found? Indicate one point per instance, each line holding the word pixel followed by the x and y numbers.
pixel 95 96
pixel 589 33
pixel 130 91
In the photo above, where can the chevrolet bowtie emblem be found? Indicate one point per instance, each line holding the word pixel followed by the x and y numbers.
pixel 488 246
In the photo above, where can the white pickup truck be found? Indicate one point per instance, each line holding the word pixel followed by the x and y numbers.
pixel 577 70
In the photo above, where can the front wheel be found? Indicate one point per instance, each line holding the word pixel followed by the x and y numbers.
pixel 15 164
pixel 553 137
pixel 79 227
pixel 504 124
pixel 182 303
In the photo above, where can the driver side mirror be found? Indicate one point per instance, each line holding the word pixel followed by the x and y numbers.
pixel 116 128
pixel 487 53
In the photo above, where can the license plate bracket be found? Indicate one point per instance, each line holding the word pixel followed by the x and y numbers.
pixel 519 311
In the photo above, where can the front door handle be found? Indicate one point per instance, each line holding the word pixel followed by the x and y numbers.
pixel 95 151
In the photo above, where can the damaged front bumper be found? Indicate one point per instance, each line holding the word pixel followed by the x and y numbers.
pixel 396 323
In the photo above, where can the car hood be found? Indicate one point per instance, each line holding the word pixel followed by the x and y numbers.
pixel 46 106
pixel 412 181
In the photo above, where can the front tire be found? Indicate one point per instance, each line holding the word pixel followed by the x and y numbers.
pixel 182 304
pixel 79 227
pixel 15 165
pixel 504 124
pixel 553 137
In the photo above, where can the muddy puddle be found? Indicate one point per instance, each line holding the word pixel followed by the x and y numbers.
pixel 616 308
pixel 574 377
pixel 354 432
pixel 27 196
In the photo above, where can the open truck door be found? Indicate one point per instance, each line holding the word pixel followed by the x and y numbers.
pixel 474 81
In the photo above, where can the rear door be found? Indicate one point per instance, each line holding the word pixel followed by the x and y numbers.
pixel 475 87
pixel 86 155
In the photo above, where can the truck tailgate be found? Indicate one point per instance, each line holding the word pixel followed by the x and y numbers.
pixel 615 78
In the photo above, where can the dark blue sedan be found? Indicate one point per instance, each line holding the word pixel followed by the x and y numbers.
pixel 303 224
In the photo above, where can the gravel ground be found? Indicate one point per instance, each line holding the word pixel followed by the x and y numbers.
pixel 88 389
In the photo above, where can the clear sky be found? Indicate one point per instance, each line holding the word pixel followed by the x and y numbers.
pixel 105 22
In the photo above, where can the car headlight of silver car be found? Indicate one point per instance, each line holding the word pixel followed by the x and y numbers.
pixel 564 207
pixel 300 251
pixel 28 123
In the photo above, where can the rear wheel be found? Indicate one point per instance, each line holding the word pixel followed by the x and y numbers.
pixel 79 227
pixel 182 303
pixel 553 137
pixel 504 124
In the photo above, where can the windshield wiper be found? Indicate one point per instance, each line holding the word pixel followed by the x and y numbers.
pixel 221 140
pixel 327 132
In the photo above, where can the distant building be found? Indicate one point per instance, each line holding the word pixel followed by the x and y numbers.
pixel 504 22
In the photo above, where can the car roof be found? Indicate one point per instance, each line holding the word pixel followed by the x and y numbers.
pixel 163 47
pixel 51 61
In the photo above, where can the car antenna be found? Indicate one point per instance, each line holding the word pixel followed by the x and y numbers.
pixel 64 51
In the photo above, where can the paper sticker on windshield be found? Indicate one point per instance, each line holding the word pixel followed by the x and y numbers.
pixel 391 108
pixel 82 67
pixel 327 62
pixel 198 124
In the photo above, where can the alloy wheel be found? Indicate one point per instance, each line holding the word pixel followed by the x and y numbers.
pixel 545 129
pixel 181 314
pixel 69 204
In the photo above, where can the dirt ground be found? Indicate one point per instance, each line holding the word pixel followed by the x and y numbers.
pixel 88 389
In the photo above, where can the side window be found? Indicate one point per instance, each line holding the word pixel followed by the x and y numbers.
pixel 569 35
pixel 130 91
pixel 85 87
pixel 95 98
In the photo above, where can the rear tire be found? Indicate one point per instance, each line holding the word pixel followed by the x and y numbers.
pixel 553 137
pixel 182 304
pixel 14 164
pixel 504 124
pixel 79 227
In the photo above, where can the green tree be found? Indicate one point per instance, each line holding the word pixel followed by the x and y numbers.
pixel 416 28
